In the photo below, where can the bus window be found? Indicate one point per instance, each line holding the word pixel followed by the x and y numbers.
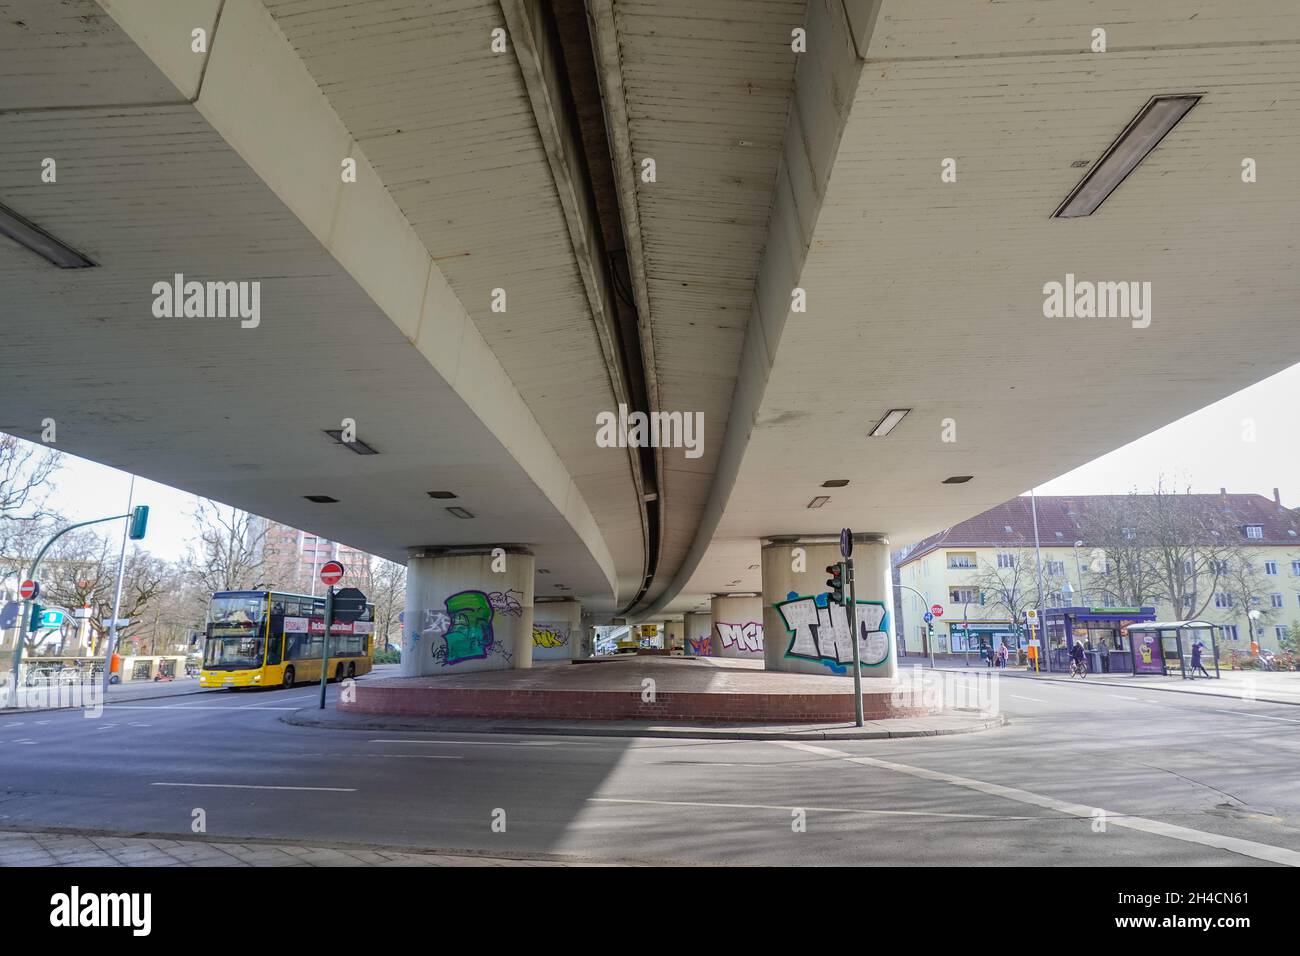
pixel 278 606
pixel 273 648
pixel 295 646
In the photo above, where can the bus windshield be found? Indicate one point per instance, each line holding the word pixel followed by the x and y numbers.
pixel 233 653
pixel 244 610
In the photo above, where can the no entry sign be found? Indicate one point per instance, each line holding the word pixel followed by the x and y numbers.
pixel 331 573
pixel 28 590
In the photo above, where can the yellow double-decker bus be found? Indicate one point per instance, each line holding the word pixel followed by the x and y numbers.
pixel 271 639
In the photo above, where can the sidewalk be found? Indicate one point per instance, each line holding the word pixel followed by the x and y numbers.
pixel 901 727
pixel 78 849
pixel 1270 687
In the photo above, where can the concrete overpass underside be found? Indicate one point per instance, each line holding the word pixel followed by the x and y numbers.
pixel 506 266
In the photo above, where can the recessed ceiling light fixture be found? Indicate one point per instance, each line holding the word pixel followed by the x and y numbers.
pixel 442 494
pixel 888 423
pixel 27 233
pixel 835 483
pixel 818 501
pixel 1143 134
pixel 322 499
pixel 460 512
pixel 355 445
pixel 958 479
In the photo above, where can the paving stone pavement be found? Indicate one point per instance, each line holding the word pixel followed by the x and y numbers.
pixel 71 849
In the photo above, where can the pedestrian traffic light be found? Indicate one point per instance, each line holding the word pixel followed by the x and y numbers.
pixel 835 583
pixel 34 624
pixel 139 520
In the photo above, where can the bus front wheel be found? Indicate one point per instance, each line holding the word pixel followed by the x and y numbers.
pixel 338 673
pixel 352 669
pixel 288 677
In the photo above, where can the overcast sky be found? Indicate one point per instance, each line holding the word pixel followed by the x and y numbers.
pixel 1205 449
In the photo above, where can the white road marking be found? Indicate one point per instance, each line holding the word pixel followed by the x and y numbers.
pixel 1242 713
pixel 187 707
pixel 767 806
pixel 1034 699
pixel 283 700
pixel 251 786
pixel 1259 851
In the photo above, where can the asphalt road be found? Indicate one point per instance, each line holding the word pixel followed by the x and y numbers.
pixel 1160 779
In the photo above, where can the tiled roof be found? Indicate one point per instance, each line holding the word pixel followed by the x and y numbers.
pixel 1011 524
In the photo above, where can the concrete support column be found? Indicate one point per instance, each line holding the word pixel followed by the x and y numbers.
pixel 673 639
pixel 697 629
pixel 737 626
pixel 468 611
pixel 806 636
pixel 557 630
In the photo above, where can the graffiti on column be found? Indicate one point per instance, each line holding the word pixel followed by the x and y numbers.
pixel 549 635
pixel 507 602
pixel 700 646
pixel 465 629
pixel 819 631
pixel 747 637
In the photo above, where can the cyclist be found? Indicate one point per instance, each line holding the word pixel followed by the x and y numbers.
pixel 1076 654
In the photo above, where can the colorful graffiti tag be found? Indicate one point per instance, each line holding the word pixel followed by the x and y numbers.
pixel 506 602
pixel 747 637
pixel 820 632
pixel 549 635
pixel 464 626
pixel 699 646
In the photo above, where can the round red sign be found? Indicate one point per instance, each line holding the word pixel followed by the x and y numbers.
pixel 936 610
pixel 28 590
pixel 331 572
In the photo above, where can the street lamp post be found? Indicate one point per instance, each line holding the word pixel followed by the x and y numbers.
pixel 925 605
pixel 1078 571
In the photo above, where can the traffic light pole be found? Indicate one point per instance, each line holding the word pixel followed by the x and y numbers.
pixel 853 631
pixel 25 619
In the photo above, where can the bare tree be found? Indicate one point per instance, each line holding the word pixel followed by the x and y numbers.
pixel 1246 585
pixel 388 592
pixel 25 473
pixel 231 550
pixel 1190 548
pixel 1014 586
pixel 1119 546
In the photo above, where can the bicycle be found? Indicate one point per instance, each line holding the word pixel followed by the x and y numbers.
pixel 1079 670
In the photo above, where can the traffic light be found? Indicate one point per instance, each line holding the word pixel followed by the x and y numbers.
pixel 139 520
pixel 835 583
pixel 34 624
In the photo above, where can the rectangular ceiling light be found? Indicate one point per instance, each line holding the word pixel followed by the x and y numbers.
pixel 460 512
pixel 815 503
pixel 28 234
pixel 1143 134
pixel 356 445
pixel 886 424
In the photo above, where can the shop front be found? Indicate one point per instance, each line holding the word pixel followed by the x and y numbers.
pixel 967 638
pixel 1103 632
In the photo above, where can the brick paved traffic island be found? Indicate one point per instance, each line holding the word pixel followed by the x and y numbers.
pixel 699 690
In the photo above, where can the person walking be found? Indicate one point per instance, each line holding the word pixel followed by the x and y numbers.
pixel 1197 649
pixel 1002 655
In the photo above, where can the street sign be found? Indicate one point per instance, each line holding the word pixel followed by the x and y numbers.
pixel 121 622
pixel 937 610
pixel 9 616
pixel 52 618
pixel 1031 616
pixel 846 543
pixel 331 573
pixel 29 590
pixel 349 604
pixel 928 617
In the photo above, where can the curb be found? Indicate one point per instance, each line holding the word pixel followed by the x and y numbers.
pixel 485 725
pixel 1144 687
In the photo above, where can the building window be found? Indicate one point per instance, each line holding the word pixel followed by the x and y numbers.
pixel 1270 567
pixel 963 596
pixel 1279 631
pixel 1230 631
pixel 1277 599
pixel 1129 533
pixel 1255 531
pixel 961 560
pixel 1295 568
pixel 1055 567
pixel 1222 600
pixel 1187 600
pixel 1006 560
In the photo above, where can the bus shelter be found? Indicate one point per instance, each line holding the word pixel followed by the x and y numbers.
pixel 1164 647
pixel 1104 633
